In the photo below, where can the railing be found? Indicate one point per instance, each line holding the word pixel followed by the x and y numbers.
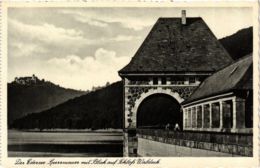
pixel 238 144
pixel 211 137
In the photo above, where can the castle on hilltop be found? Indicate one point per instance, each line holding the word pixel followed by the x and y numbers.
pixel 27 80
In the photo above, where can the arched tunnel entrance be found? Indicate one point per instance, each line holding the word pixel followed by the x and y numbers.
pixel 158 110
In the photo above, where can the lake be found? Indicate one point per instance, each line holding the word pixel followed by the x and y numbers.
pixel 65 144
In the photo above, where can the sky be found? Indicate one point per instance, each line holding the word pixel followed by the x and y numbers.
pixel 84 47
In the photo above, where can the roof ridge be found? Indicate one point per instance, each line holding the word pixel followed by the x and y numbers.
pixel 235 62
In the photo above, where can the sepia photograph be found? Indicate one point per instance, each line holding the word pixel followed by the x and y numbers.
pixel 130 82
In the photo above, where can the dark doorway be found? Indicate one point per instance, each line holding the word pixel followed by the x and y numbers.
pixel 157 110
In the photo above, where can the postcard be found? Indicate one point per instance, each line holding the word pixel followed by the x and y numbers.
pixel 117 84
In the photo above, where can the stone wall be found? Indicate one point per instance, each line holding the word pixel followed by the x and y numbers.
pixel 169 143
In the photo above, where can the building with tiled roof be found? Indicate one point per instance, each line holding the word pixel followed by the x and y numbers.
pixel 224 101
pixel 176 56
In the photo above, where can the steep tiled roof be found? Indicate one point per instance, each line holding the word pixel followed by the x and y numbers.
pixel 237 76
pixel 173 47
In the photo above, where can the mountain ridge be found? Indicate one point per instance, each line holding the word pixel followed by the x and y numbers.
pixel 239 44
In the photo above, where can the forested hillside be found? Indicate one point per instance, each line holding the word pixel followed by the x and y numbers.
pixel 98 109
pixel 239 44
pixel 24 99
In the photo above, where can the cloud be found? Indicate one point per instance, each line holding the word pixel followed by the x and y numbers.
pixel 90 21
pixel 126 38
pixel 86 72
pixel 49 33
pixel 105 57
pixel 31 39
pixel 136 24
pixel 46 33
pixel 118 38
pixel 127 21
pixel 20 49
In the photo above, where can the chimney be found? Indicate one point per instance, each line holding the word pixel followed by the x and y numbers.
pixel 183 17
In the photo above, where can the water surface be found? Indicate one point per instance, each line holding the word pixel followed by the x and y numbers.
pixel 64 144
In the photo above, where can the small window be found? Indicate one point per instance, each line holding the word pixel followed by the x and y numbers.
pixel 155 81
pixel 180 82
pixel 163 81
pixel 192 80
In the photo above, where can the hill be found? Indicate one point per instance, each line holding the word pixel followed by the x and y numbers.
pixel 98 109
pixel 239 44
pixel 26 96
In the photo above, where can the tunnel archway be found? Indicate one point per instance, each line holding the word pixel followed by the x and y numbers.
pixel 157 110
